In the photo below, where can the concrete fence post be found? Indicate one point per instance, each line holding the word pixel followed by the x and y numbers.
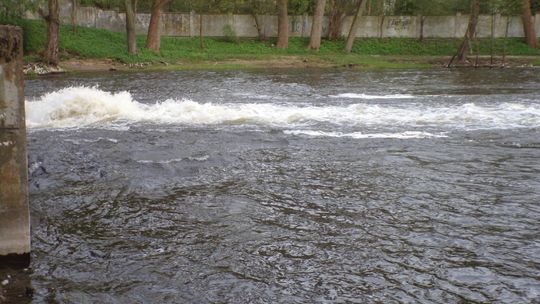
pixel 457 33
pixel 537 24
pixel 230 19
pixel 306 28
pixel 14 212
pixel 191 23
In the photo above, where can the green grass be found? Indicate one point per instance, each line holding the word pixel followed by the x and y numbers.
pixel 396 53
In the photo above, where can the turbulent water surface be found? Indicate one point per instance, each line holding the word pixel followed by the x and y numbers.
pixel 286 187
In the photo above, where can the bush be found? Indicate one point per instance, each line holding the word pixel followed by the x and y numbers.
pixel 229 34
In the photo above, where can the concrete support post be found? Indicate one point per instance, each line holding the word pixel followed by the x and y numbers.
pixel 14 212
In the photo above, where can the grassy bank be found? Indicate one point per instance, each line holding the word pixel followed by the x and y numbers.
pixel 90 43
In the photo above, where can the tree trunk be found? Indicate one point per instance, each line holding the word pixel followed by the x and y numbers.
pixel 422 22
pixel 471 31
pixel 336 20
pixel 492 40
pixel 201 40
pixel 354 26
pixel 53 27
pixel 316 27
pixel 260 33
pixel 153 39
pixel 381 26
pixel 131 14
pixel 74 13
pixel 528 25
pixel 505 40
pixel 283 25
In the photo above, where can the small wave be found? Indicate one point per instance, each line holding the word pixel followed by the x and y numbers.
pixel 359 135
pixel 201 158
pixel 76 107
pixel 256 96
pixel 366 96
pixel 163 162
pixel 78 141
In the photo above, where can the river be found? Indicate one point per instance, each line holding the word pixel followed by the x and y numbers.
pixel 274 186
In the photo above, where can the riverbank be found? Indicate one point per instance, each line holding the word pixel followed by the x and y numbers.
pixel 89 49
pixel 295 62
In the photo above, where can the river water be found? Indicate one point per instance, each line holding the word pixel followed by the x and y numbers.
pixel 302 186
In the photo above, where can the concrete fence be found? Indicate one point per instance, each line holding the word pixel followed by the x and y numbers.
pixel 187 24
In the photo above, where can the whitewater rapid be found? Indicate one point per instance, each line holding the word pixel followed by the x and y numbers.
pixel 76 107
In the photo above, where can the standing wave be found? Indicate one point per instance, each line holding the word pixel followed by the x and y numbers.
pixel 91 107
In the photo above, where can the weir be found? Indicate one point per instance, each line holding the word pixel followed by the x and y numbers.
pixel 14 212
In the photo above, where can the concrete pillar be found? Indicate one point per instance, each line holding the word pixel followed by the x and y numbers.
pixel 14 213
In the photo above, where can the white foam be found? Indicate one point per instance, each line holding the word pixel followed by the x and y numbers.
pixel 167 161
pixel 366 96
pixel 256 96
pixel 34 166
pixel 78 141
pixel 199 158
pixel 175 160
pixel 359 135
pixel 83 106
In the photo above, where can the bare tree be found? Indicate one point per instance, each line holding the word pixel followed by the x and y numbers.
pixel 131 14
pixel 354 26
pixel 470 33
pixel 257 8
pixel 316 27
pixel 528 24
pixel 153 40
pixel 283 25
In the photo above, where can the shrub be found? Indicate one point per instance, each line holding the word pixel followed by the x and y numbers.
pixel 229 34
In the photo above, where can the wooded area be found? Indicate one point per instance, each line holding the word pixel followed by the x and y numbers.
pixel 336 10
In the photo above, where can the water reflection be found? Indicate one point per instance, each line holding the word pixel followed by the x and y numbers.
pixel 15 282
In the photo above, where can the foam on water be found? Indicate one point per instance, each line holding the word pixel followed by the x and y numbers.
pixel 78 141
pixel 367 96
pixel 360 135
pixel 201 158
pixel 84 106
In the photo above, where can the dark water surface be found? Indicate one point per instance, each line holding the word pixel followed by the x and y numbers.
pixel 286 187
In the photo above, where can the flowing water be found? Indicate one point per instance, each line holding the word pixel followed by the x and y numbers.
pixel 286 187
